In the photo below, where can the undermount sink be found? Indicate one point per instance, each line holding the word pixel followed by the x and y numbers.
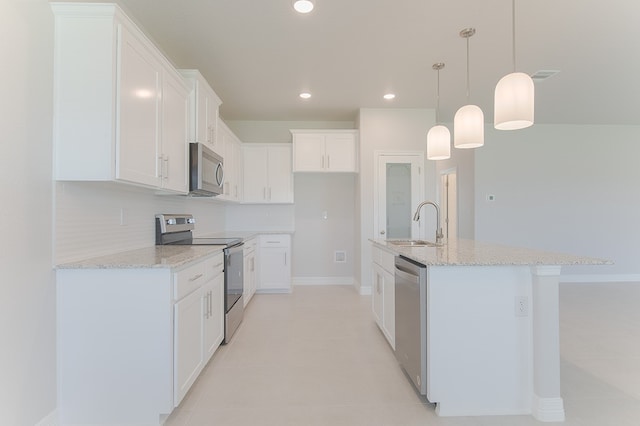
pixel 413 243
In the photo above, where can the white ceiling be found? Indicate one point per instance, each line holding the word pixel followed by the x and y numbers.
pixel 259 54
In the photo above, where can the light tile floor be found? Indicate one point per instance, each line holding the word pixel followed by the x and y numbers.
pixel 316 357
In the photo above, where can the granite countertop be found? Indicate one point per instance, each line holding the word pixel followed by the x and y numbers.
pixel 150 257
pixel 475 253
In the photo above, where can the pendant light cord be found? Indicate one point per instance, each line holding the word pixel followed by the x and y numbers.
pixel 468 84
pixel 513 32
pixel 438 99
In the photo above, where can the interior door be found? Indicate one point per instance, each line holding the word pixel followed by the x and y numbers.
pixel 399 187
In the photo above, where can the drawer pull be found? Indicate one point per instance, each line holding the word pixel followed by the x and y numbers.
pixel 196 277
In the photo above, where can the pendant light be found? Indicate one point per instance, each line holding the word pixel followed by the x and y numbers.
pixel 438 137
pixel 468 123
pixel 514 95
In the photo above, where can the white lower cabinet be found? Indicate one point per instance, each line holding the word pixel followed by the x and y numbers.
pixel 383 293
pixel 188 348
pixel 213 307
pixel 131 341
pixel 274 262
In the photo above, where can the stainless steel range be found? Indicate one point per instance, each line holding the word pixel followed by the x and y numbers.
pixel 177 229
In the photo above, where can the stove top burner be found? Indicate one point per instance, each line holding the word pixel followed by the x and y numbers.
pixel 177 229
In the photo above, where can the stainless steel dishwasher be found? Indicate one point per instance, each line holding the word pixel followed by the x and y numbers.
pixel 411 320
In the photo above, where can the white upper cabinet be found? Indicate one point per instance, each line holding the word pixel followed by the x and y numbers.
pixel 231 152
pixel 325 150
pixel 204 106
pixel 267 173
pixel 120 107
pixel 175 157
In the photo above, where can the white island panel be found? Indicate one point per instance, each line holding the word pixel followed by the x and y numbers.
pixel 478 349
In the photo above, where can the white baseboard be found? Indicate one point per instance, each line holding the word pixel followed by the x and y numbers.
pixel 365 291
pixel 323 281
pixel 547 409
pixel 599 278
pixel 50 420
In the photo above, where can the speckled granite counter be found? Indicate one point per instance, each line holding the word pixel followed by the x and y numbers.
pixel 149 257
pixel 474 253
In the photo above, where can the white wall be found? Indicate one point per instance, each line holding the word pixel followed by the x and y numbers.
pixel 316 239
pixel 278 131
pixel 27 290
pixel 94 219
pixel 462 161
pixel 564 188
pixel 389 130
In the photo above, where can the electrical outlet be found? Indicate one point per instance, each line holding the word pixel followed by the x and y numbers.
pixel 522 306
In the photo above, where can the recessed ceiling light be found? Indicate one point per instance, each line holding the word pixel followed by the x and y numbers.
pixel 303 6
pixel 305 95
pixel 389 96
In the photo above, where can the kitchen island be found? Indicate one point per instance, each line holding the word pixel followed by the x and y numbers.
pixel 492 327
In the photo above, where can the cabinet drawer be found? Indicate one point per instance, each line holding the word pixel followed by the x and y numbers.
pixel 214 266
pixel 189 279
pixel 249 246
pixel 384 259
pixel 275 240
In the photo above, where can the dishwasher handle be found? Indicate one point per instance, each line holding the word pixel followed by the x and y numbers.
pixel 407 275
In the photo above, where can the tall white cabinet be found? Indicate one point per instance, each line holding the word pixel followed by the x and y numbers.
pixel 120 106
pixel 268 175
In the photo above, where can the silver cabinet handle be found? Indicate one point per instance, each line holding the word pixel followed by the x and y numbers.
pixel 196 277
pixel 323 161
pixel 328 161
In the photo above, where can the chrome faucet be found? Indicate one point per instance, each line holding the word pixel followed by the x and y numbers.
pixel 416 217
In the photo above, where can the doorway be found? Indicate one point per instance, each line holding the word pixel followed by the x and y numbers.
pixel 397 190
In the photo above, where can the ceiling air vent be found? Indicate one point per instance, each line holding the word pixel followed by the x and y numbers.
pixel 543 75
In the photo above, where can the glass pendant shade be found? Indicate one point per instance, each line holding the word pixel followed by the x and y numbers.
pixel 438 143
pixel 514 102
pixel 468 127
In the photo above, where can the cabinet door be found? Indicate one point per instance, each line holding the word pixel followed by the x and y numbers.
pixel 340 152
pixel 138 140
pixel 188 350
pixel 389 308
pixel 377 294
pixel 174 133
pixel 213 308
pixel 212 105
pixel 280 176
pixel 308 153
pixel 255 174
pixel 274 269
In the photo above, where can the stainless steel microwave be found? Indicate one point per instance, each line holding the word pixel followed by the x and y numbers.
pixel 206 171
